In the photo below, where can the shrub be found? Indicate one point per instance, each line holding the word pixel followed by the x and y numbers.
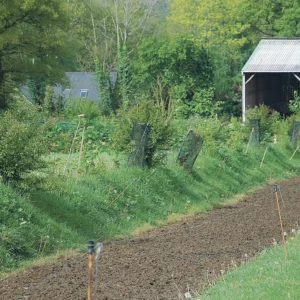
pixel 96 136
pixel 269 121
pixel 75 107
pixel 215 133
pixel 203 103
pixel 21 141
pixel 160 134
pixel 294 104
pixel 220 135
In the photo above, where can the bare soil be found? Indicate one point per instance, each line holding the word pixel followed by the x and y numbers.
pixel 170 260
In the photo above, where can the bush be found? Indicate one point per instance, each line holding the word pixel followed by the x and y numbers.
pixel 220 135
pixel 96 136
pixel 22 142
pixel 160 134
pixel 269 121
pixel 75 107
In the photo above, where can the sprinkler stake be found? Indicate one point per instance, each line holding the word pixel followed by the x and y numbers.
pixel 91 250
pixel 280 219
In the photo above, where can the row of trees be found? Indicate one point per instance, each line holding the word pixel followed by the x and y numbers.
pixel 183 54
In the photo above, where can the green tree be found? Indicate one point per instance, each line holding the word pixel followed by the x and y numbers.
pixel 172 69
pixel 219 25
pixel 271 18
pixel 214 22
pixel 102 27
pixel 31 41
pixel 108 32
pixel 107 103
pixel 124 78
pixel 37 89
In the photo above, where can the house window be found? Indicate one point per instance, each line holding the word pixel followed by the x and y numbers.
pixel 67 93
pixel 84 93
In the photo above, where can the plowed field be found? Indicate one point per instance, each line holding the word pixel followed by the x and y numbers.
pixel 170 260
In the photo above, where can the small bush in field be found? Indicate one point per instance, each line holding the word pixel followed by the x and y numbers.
pixel 22 142
pixel 96 136
pixel 269 121
pixel 294 104
pixel 146 112
pixel 75 107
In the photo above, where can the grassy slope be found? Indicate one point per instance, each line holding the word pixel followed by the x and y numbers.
pixel 76 212
pixel 269 276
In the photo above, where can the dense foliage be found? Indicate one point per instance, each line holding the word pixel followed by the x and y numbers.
pixel 160 133
pixel 173 71
pixel 178 65
pixel 31 42
pixel 22 142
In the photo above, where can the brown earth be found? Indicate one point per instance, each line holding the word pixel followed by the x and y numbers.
pixel 174 258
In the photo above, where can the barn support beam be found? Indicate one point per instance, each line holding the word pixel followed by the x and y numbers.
pixel 297 77
pixel 244 98
pixel 249 79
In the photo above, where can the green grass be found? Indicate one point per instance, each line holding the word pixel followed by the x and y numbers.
pixel 270 275
pixel 26 231
pixel 74 212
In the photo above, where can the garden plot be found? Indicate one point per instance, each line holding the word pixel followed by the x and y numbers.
pixel 170 260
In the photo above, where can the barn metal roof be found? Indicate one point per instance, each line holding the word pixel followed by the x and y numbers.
pixel 275 56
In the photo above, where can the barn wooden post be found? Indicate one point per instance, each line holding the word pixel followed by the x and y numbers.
pixel 244 98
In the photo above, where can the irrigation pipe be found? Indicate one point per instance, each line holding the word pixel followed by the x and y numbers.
pixel 280 219
pixel 249 140
pixel 294 153
pixel 262 161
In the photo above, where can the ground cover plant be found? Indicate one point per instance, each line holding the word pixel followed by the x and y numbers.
pixel 27 232
pixel 271 275
pixel 107 198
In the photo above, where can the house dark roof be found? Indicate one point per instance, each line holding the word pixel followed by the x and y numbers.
pixel 77 82
pixel 275 56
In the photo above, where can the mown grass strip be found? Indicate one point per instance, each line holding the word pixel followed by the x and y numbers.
pixel 271 275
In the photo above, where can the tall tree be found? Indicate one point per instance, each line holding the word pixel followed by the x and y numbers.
pixel 271 18
pixel 172 68
pixel 31 41
pixel 215 22
pixel 220 27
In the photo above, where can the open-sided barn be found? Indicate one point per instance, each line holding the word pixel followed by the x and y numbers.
pixel 272 74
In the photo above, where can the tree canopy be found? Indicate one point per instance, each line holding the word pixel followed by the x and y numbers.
pixel 31 41
pixel 172 68
pixel 140 39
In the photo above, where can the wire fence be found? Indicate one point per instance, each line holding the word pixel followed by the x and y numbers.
pixel 190 150
pixel 295 133
pixel 255 124
pixel 139 139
